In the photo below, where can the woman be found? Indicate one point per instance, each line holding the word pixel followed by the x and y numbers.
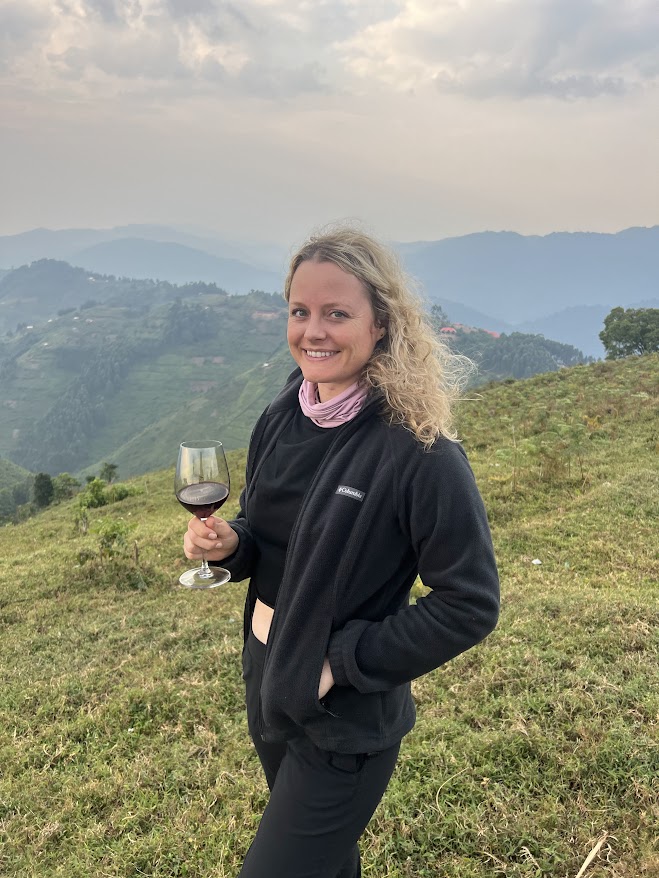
pixel 354 486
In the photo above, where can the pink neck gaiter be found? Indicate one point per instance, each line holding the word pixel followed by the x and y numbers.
pixel 335 411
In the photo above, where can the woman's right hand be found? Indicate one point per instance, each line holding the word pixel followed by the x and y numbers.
pixel 213 538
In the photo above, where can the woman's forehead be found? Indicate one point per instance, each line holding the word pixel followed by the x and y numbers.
pixel 328 282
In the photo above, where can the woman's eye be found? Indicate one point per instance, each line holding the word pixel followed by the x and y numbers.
pixel 298 312
pixel 338 314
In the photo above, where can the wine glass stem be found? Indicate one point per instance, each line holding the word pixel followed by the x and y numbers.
pixel 204 571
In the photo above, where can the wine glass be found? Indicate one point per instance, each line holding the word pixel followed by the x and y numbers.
pixel 201 485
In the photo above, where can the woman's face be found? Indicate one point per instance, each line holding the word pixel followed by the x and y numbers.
pixel 331 326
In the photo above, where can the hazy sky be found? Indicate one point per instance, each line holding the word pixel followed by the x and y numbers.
pixel 263 118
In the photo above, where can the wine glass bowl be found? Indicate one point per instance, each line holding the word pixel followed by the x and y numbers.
pixel 202 485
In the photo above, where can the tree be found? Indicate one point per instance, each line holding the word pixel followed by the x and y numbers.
pixel 629 332
pixel 43 490
pixel 108 472
pixel 65 486
pixel 439 316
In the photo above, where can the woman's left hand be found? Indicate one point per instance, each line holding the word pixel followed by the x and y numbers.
pixel 326 679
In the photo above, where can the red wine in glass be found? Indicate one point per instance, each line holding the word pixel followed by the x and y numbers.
pixel 203 499
pixel 202 485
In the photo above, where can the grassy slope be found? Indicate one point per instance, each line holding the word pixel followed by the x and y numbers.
pixel 123 737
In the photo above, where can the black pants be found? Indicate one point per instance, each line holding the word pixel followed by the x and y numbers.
pixel 320 802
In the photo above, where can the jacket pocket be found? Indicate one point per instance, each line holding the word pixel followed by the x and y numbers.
pixel 247 663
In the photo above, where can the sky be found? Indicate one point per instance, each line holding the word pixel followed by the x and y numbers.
pixel 262 119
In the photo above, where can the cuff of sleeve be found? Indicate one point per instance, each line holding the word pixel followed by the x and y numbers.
pixel 341 654
pixel 236 562
pixel 335 658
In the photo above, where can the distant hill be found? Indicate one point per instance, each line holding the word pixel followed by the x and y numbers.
pixel 459 313
pixel 137 258
pixel 520 278
pixel 558 285
pixel 579 326
pixel 66 244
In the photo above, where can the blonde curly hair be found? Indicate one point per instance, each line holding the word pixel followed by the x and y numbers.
pixel 418 375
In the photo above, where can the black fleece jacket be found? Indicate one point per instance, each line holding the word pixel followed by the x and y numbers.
pixel 379 511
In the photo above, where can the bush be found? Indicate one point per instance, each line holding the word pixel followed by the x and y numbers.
pixel 112 561
pixel 98 493
pixel 65 486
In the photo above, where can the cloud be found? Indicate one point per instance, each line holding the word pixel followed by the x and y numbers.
pixel 109 11
pixel 21 25
pixel 270 49
pixel 515 48
pixel 286 49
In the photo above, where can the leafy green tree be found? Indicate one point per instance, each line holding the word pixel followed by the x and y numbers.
pixel 439 316
pixel 65 486
pixel 94 494
pixel 108 472
pixel 190 324
pixel 43 490
pixel 630 331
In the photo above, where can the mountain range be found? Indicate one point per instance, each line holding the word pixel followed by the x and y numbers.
pixel 560 285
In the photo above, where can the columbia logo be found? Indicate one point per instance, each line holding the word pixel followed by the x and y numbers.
pixel 347 491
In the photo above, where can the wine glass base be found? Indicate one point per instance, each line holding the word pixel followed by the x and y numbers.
pixel 192 579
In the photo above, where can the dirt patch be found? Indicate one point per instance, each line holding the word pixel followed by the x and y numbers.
pixel 202 386
pixel 265 315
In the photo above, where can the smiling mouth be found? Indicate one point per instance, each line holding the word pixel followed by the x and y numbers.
pixel 319 355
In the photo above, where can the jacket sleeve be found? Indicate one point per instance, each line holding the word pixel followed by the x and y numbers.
pixel 241 563
pixel 442 512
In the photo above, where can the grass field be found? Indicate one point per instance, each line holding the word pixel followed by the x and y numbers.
pixel 123 740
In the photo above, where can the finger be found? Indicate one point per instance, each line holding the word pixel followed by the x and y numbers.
pixel 190 550
pixel 207 545
pixel 219 525
pixel 197 548
pixel 202 529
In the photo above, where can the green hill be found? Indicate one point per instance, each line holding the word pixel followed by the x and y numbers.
pixel 123 738
pixel 226 411
pixel 78 387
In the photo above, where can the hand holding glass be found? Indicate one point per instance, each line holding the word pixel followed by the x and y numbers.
pixel 202 485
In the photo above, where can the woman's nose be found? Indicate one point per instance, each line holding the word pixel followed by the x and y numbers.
pixel 315 328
